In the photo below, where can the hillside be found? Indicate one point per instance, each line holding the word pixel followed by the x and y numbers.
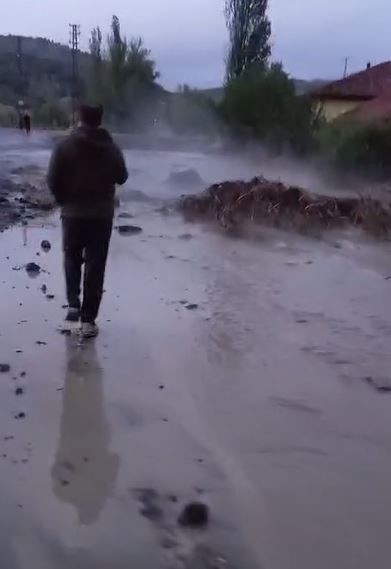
pixel 46 70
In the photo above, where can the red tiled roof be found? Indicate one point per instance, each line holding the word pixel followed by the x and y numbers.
pixel 365 85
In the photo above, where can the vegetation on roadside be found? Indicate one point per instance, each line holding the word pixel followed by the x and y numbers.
pixel 118 73
pixel 362 148
pixel 8 116
pixel 189 111
pixel 259 101
pixel 53 114
pixel 262 105
pixel 122 77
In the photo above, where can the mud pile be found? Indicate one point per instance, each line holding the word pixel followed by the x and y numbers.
pixel 24 195
pixel 264 201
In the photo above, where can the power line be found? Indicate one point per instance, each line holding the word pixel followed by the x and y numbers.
pixel 74 35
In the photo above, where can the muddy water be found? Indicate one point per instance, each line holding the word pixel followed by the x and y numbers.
pixel 256 402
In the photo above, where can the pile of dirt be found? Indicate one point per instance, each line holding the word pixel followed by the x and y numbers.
pixel 24 195
pixel 264 201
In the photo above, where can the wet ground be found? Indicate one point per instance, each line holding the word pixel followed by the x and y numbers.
pixel 267 401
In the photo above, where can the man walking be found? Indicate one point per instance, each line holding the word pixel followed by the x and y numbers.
pixel 83 172
pixel 27 122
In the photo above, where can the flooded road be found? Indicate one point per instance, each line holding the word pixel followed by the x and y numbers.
pixel 261 401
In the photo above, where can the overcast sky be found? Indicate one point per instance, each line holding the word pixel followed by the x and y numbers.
pixel 188 37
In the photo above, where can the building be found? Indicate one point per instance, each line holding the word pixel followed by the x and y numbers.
pixel 358 94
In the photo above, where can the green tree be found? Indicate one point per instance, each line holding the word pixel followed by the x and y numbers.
pixel 139 62
pixel 97 66
pixel 95 44
pixel 130 74
pixel 263 105
pixel 117 52
pixel 249 32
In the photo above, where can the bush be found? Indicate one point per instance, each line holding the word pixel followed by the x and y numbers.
pixel 8 116
pixel 363 148
pixel 263 104
pixel 191 112
pixel 51 115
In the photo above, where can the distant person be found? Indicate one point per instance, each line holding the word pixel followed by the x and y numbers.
pixel 27 123
pixel 83 172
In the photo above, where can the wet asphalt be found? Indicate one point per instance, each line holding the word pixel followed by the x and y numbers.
pixel 249 375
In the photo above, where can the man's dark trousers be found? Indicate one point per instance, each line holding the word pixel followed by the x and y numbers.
pixel 85 240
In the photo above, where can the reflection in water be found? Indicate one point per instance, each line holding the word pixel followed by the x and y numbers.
pixel 85 470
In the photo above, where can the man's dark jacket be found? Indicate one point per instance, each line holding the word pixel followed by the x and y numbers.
pixel 83 172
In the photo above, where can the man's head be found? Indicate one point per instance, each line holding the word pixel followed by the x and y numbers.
pixel 91 116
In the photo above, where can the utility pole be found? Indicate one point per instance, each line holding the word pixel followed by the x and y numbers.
pixel 345 72
pixel 19 57
pixel 21 87
pixel 74 35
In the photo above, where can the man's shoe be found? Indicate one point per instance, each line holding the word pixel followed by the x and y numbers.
pixel 89 330
pixel 73 315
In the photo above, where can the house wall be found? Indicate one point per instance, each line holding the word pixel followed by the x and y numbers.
pixel 332 109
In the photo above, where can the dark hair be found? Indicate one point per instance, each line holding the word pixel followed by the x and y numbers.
pixel 91 116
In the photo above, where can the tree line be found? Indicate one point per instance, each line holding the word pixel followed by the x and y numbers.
pixel 258 100
pixel 123 75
